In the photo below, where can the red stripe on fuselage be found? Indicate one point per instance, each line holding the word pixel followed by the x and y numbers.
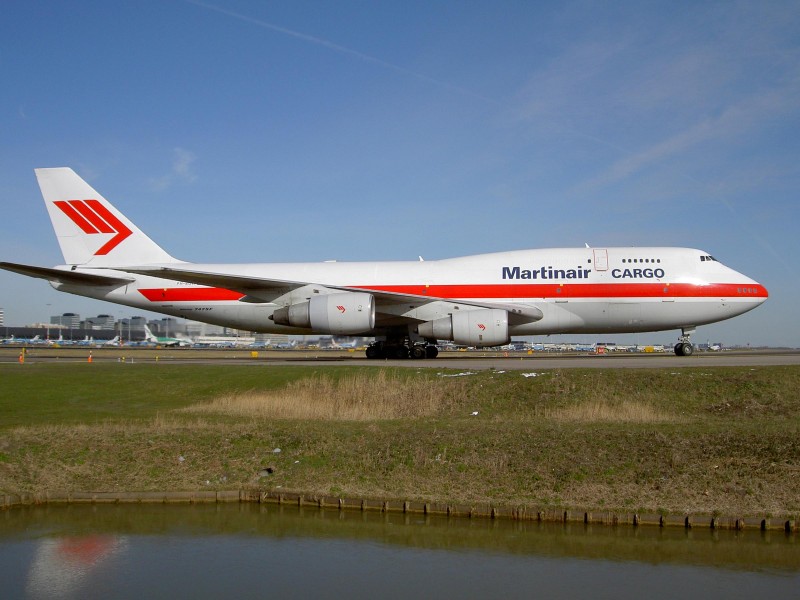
pixel 578 290
pixel 189 294
pixel 504 290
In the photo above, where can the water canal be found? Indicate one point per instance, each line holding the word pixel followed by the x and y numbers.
pixel 231 550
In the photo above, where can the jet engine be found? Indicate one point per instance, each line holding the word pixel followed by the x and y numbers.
pixel 480 327
pixel 340 314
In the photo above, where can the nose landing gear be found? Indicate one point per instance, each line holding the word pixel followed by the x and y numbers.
pixel 684 346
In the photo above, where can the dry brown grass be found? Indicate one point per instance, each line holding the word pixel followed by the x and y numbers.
pixel 359 397
pixel 605 411
pixel 372 397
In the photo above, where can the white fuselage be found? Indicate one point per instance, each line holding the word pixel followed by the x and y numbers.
pixel 577 289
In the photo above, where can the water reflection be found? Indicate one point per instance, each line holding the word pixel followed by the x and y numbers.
pixel 62 567
pixel 132 551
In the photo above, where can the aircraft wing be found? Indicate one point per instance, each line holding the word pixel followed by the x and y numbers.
pixel 64 276
pixel 517 313
pixel 255 289
pixel 259 289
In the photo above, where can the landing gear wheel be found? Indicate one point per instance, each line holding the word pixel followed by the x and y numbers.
pixel 418 352
pixel 684 346
pixel 400 352
pixel 431 352
pixel 374 352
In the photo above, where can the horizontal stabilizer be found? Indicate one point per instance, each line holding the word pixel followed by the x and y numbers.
pixel 65 277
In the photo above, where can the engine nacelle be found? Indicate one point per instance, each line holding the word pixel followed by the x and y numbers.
pixel 481 327
pixel 349 313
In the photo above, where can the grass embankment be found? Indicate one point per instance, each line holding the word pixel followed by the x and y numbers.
pixel 722 440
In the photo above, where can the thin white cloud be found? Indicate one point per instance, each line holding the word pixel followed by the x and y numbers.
pixel 733 122
pixel 653 101
pixel 664 89
pixel 342 50
pixel 182 166
pixel 181 171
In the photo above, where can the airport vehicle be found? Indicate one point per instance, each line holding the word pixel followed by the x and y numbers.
pixel 474 301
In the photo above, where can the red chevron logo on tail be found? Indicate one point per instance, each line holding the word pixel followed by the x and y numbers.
pixel 92 217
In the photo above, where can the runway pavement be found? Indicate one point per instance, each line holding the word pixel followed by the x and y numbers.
pixel 474 361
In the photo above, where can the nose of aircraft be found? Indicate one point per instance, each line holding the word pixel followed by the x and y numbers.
pixel 750 295
pixel 755 290
pixel 746 290
pixel 743 293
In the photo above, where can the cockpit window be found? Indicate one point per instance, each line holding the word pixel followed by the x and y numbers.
pixel 709 258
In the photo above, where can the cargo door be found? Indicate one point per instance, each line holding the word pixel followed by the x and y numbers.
pixel 600 259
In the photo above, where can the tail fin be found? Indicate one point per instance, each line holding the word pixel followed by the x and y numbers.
pixel 148 335
pixel 90 230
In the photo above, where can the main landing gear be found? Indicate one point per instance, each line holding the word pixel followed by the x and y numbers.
pixel 684 346
pixel 401 349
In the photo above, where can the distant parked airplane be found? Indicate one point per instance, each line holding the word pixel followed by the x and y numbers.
pixel 112 342
pixel 478 301
pixel 164 341
pixel 57 342
pixel 86 341
pixel 344 345
pixel 34 341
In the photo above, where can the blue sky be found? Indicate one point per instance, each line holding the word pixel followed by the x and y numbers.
pixel 236 131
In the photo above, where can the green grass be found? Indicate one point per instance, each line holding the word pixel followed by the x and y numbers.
pixel 48 393
pixel 690 440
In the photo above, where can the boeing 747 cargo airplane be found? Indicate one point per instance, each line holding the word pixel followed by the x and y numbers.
pixel 479 301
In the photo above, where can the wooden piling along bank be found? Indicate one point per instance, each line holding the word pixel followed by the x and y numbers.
pixel 790 526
